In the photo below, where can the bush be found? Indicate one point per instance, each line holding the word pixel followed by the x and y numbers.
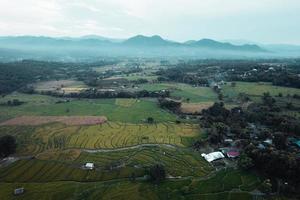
pixel 7 145
pixel 157 173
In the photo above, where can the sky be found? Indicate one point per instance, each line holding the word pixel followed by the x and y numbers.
pixel 261 21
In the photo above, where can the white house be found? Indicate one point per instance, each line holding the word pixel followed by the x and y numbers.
pixel 89 165
pixel 213 156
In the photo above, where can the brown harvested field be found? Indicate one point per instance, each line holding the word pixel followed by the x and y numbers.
pixel 66 86
pixel 68 120
pixel 193 108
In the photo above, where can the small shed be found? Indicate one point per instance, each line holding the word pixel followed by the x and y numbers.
pixel 19 191
pixel 89 165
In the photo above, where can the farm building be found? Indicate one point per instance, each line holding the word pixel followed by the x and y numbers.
pixel 89 165
pixel 19 191
pixel 213 156
pixel 233 154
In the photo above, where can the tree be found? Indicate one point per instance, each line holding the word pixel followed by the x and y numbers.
pixel 150 120
pixel 245 162
pixel 220 96
pixel 157 173
pixel 280 140
pixel 169 104
pixel 289 105
pixel 268 100
pixel 266 186
pixel 7 145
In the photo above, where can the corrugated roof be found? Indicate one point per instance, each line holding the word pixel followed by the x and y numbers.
pixel 212 156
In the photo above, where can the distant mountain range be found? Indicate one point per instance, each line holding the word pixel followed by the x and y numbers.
pixel 93 46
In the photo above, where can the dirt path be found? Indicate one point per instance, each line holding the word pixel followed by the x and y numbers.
pixel 128 148
pixel 9 160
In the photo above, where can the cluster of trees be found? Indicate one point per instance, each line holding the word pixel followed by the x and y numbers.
pixel 276 164
pixel 182 75
pixel 14 102
pixel 8 145
pixel 16 75
pixel 200 72
pixel 169 104
pixel 94 94
pixel 219 121
pixel 157 173
pixel 278 75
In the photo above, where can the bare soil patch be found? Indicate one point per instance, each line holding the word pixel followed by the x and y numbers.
pixel 66 86
pixel 194 108
pixel 68 120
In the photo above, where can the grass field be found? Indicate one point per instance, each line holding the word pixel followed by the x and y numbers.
pixel 46 106
pixel 109 135
pixel 184 91
pixel 257 89
pixel 227 185
pixel 136 77
pixel 126 102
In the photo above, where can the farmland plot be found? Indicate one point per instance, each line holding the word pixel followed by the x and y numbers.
pixel 35 139
pixel 108 166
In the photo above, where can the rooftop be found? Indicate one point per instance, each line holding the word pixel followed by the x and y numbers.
pixel 212 156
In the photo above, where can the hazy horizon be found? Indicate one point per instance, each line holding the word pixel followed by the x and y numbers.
pixel 258 21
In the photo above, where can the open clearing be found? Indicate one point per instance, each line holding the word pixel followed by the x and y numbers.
pixel 36 139
pixel 257 89
pixel 194 108
pixel 126 102
pixel 183 91
pixel 65 86
pixel 68 120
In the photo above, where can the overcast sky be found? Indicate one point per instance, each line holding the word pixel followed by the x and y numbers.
pixel 265 21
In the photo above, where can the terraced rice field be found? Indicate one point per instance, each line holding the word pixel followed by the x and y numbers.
pixel 68 120
pixel 35 139
pixel 225 185
pixel 110 165
pixel 48 171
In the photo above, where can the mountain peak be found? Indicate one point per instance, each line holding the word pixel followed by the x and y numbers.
pixel 141 40
pixel 213 44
